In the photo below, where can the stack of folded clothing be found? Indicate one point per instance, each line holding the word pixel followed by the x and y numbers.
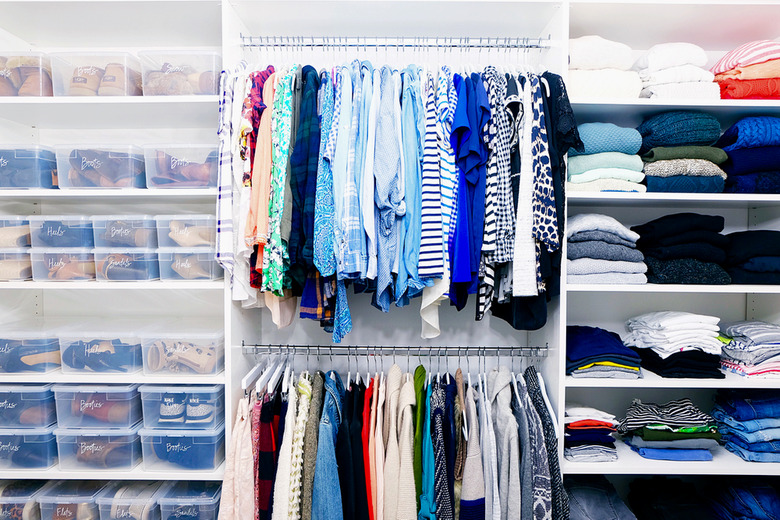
pixel 603 233
pixel 696 159
pixel 684 248
pixel 753 148
pixel 697 174
pixel 749 421
pixel 664 498
pixel 588 434
pixel 608 161
pixel 744 497
pixel 674 71
pixel 753 257
pixel 593 495
pixel 677 430
pixel 599 68
pixel 596 352
pixel 677 344
pixel 754 349
pixel 751 71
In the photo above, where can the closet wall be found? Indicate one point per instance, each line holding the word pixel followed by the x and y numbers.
pixel 138 24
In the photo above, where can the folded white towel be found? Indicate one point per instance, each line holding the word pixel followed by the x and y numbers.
pixel 606 185
pixel 666 55
pixel 607 173
pixel 688 90
pixel 598 222
pixel 679 74
pixel 607 278
pixel 587 265
pixel 604 83
pixel 594 52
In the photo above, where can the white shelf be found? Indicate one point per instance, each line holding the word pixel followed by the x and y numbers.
pixel 106 112
pixel 136 473
pixel 683 200
pixel 57 376
pixel 113 23
pixel 631 463
pixel 138 195
pixel 118 286
pixel 673 288
pixel 652 380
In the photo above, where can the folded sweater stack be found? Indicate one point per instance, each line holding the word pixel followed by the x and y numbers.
pixel 751 71
pixel 753 257
pixel 675 71
pixel 600 68
pixel 605 251
pixel 609 160
pixel 697 159
pixel 696 174
pixel 684 248
pixel 677 344
pixel 749 421
pixel 754 349
pixel 753 148
pixel 677 430
pixel 596 352
pixel 588 434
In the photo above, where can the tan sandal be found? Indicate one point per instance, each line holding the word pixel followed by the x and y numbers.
pixel 191 236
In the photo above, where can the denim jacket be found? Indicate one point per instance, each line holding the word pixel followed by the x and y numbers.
pixel 326 496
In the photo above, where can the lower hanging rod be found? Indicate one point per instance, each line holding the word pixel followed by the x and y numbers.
pixel 405 42
pixel 377 350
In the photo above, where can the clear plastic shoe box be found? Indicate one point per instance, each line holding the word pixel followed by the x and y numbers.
pixel 191 500
pixel 28 448
pixel 96 74
pixel 100 166
pixel 186 230
pixel 98 448
pixel 27 166
pixel 126 265
pixel 180 263
pixel 124 231
pixel 196 450
pixel 180 73
pixel 174 407
pixel 96 406
pixel 21 496
pixel 181 166
pixel 27 405
pixel 25 74
pixel 71 499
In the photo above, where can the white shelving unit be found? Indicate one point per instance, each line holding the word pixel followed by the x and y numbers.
pixel 97 25
pixel 133 25
pixel 641 24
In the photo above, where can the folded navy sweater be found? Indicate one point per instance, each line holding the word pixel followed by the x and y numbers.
pixel 752 160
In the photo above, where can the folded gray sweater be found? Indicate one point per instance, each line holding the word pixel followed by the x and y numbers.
pixel 603 251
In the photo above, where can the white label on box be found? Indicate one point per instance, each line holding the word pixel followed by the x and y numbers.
pixel 170 69
pixel 178 162
pixel 176 448
pixel 7 405
pixel 9 447
pixel 94 163
pixel 64 512
pixel 51 263
pixel 3 162
pixel 124 262
pixel 91 447
pixel 86 71
pixel 189 512
pixel 91 405
pixel 182 264
pixel 54 231
pixel 119 231
pixel 6 73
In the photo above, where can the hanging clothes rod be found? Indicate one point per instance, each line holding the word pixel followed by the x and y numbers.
pixel 423 350
pixel 405 42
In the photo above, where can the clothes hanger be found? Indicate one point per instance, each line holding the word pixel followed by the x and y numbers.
pixel 272 382
pixel 287 372
pixel 251 377
pixel 266 375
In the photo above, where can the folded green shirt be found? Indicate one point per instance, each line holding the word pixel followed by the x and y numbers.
pixel 665 153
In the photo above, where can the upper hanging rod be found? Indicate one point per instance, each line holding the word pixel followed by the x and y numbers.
pixel 395 42
pixel 422 350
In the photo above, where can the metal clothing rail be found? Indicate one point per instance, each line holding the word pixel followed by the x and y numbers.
pixel 400 42
pixel 422 350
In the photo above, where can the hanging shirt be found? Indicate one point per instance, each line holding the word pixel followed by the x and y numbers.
pixel 431 262
pixel 446 100
pixel 420 412
pixel 366 435
pixel 324 256
pixel 388 197
pixel 342 152
pixel 410 227
pixel 472 499
pixel 281 509
pixel 296 452
pixel 507 443
pixel 365 74
pixel 444 510
pixel 326 494
pixel 392 454
pixel 303 182
pixel 276 259
pixel 407 506
pixel 427 494
pixel 367 185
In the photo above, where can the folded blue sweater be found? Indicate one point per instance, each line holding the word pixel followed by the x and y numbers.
pixel 752 160
pixel 678 128
pixel 751 132
pixel 607 137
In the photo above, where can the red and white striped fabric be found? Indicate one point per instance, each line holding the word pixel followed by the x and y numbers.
pixel 749 53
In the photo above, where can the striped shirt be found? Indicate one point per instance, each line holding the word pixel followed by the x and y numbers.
pixel 676 414
pixel 750 53
pixel 225 255
pixel 431 263
pixel 446 101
